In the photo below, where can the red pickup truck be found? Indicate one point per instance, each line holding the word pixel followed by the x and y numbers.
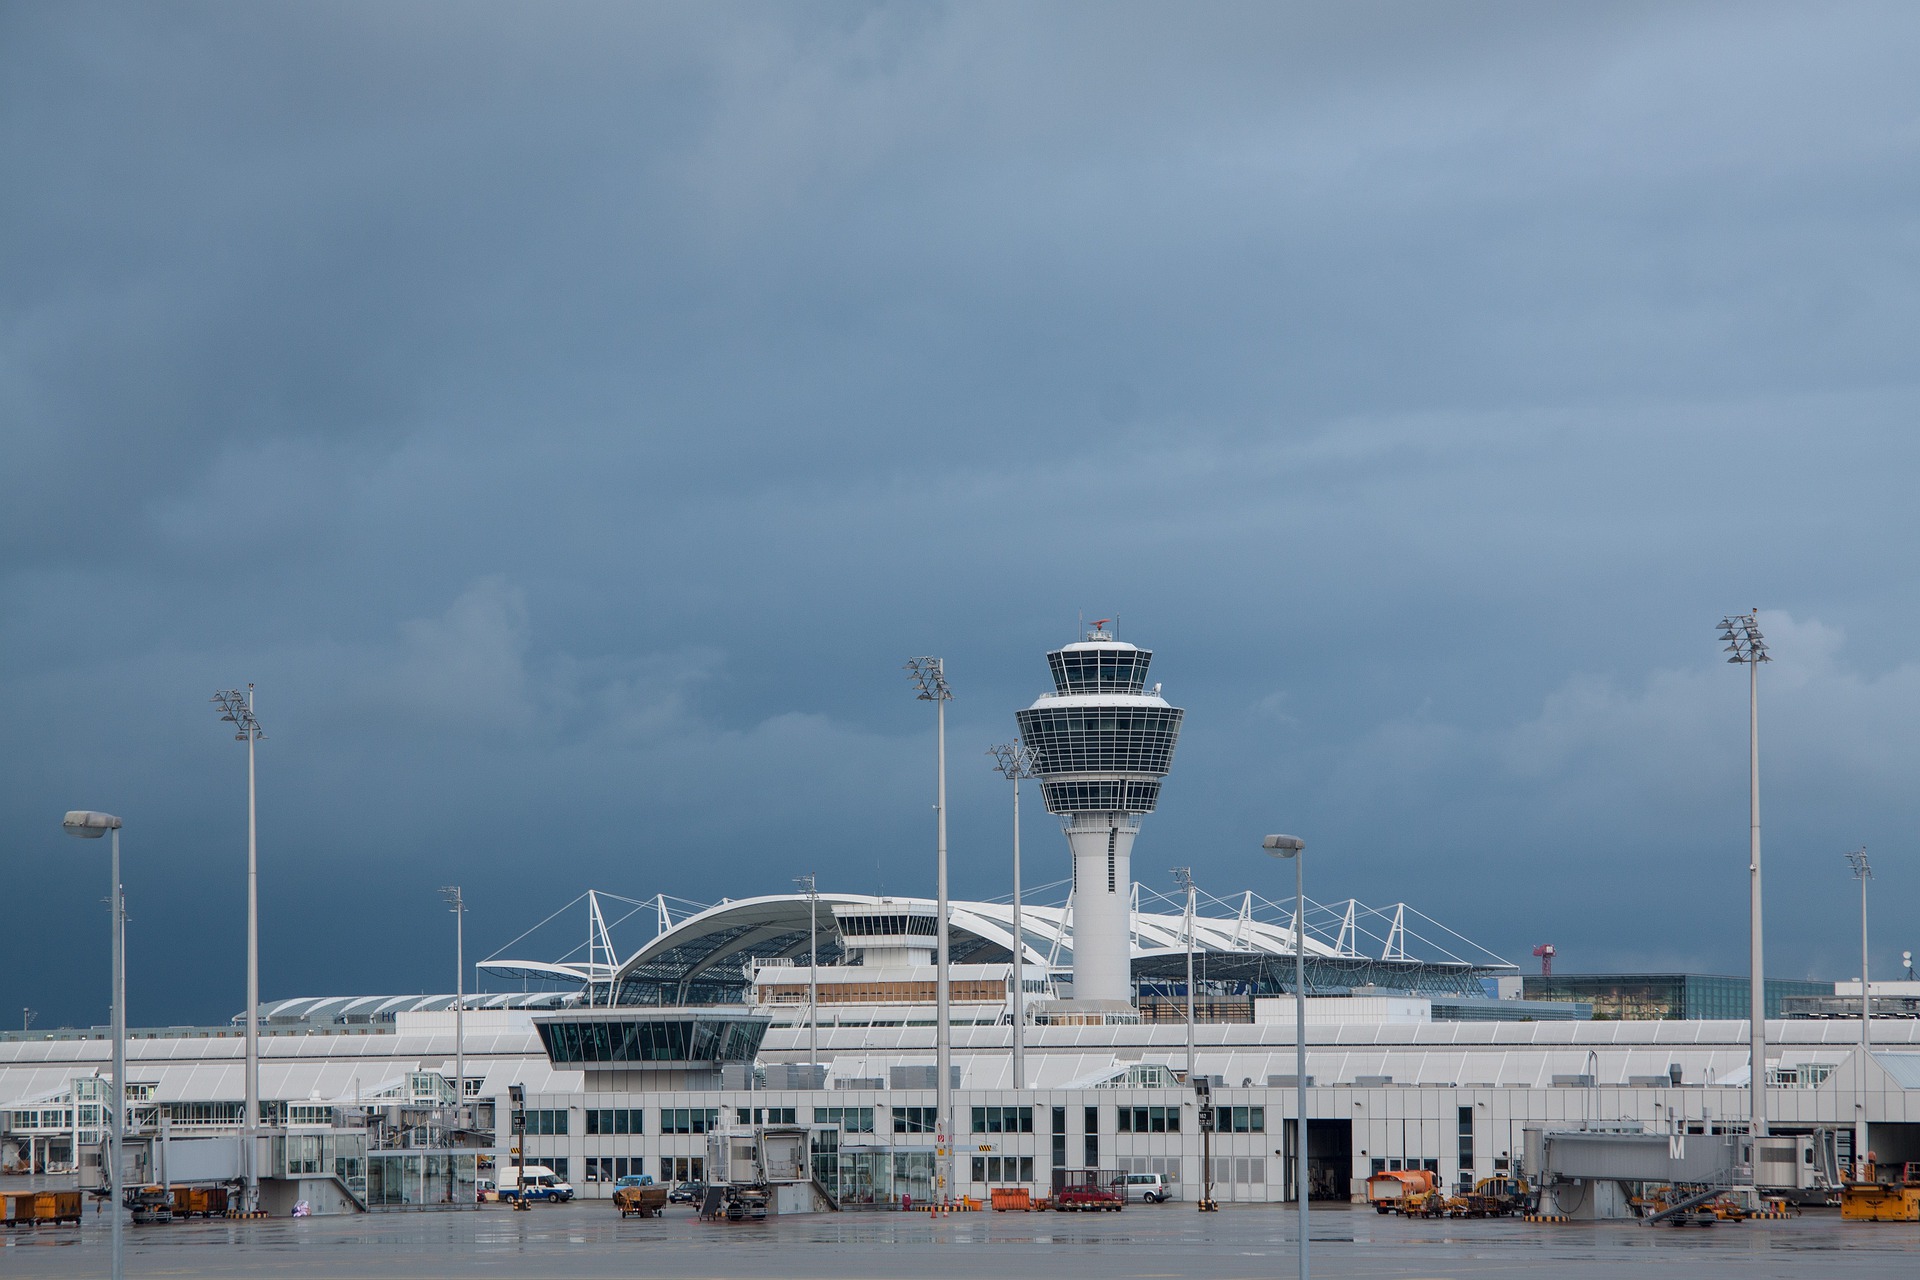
pixel 1089 1189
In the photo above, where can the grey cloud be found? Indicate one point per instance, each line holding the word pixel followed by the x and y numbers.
pixel 583 410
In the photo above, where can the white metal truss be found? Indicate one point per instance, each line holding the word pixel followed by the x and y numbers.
pixel 1396 948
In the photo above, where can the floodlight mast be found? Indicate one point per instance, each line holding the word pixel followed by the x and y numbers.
pixel 90 825
pixel 1295 848
pixel 1745 644
pixel 929 676
pixel 1863 872
pixel 236 708
pixel 807 882
pixel 1014 762
pixel 458 905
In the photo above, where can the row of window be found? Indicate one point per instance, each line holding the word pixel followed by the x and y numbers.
pixel 1097 739
pixel 1003 1168
pixel 1100 670
pixel 860 925
pixel 1002 1120
pixel 603 1121
pixel 765 1115
pixel 546 1120
pixel 689 1119
pixel 916 1119
pixel 1147 1119
pixel 651 1040
pixel 615 1120
pixel 850 1119
pixel 1100 796
pixel 1240 1119
pixel 965 991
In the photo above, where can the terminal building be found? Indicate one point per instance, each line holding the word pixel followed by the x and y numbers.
pixel 720 1023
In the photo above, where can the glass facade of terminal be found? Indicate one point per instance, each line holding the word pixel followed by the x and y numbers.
pixel 1682 996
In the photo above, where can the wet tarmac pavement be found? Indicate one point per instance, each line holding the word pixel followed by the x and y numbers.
pixel 591 1241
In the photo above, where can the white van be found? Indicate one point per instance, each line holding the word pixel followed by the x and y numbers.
pixel 1151 1187
pixel 535 1182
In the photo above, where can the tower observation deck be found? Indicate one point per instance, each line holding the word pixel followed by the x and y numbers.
pixel 1101 743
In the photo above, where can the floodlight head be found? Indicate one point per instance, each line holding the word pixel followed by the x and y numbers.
pixel 236 709
pixel 1283 846
pixel 929 676
pixel 89 825
pixel 1013 760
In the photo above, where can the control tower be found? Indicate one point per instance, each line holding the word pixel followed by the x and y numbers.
pixel 1101 743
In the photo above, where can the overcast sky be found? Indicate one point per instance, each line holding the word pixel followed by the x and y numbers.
pixel 571 416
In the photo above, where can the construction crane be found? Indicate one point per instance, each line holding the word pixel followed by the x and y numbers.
pixel 1545 954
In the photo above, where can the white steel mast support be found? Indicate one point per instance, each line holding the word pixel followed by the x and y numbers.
pixel 237 709
pixel 1862 872
pixel 943 1059
pixel 89 825
pixel 458 906
pixel 117 1097
pixel 1014 761
pixel 1745 644
pixel 1758 1082
pixel 930 677
pixel 811 884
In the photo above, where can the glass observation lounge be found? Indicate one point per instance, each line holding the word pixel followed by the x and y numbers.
pixel 639 1038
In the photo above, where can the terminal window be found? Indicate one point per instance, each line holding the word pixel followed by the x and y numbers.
pixel 915 1119
pixel 1241 1120
pixel 1002 1120
pixel 547 1120
pixel 850 1119
pixel 1147 1119
pixel 689 1119
pixel 1003 1168
pixel 765 1115
pixel 615 1120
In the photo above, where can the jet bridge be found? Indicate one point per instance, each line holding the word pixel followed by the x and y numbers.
pixel 1590 1174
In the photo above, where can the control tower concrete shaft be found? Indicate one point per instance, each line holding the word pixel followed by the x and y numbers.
pixel 1101 743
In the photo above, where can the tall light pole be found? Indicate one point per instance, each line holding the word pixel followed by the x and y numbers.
pixel 1863 872
pixel 929 677
pixel 1296 848
pixel 807 882
pixel 458 905
pixel 1185 876
pixel 89 825
pixel 1745 644
pixel 236 708
pixel 1016 762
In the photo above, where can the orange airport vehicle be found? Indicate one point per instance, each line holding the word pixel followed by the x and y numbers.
pixel 1394 1190
pixel 39 1208
pixel 1882 1193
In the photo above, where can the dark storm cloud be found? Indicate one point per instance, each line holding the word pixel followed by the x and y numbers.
pixel 571 416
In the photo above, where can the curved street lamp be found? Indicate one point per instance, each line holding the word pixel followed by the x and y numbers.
pixel 89 825
pixel 1296 848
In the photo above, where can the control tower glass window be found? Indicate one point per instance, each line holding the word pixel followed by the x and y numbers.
pixel 1093 670
pixel 1127 739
